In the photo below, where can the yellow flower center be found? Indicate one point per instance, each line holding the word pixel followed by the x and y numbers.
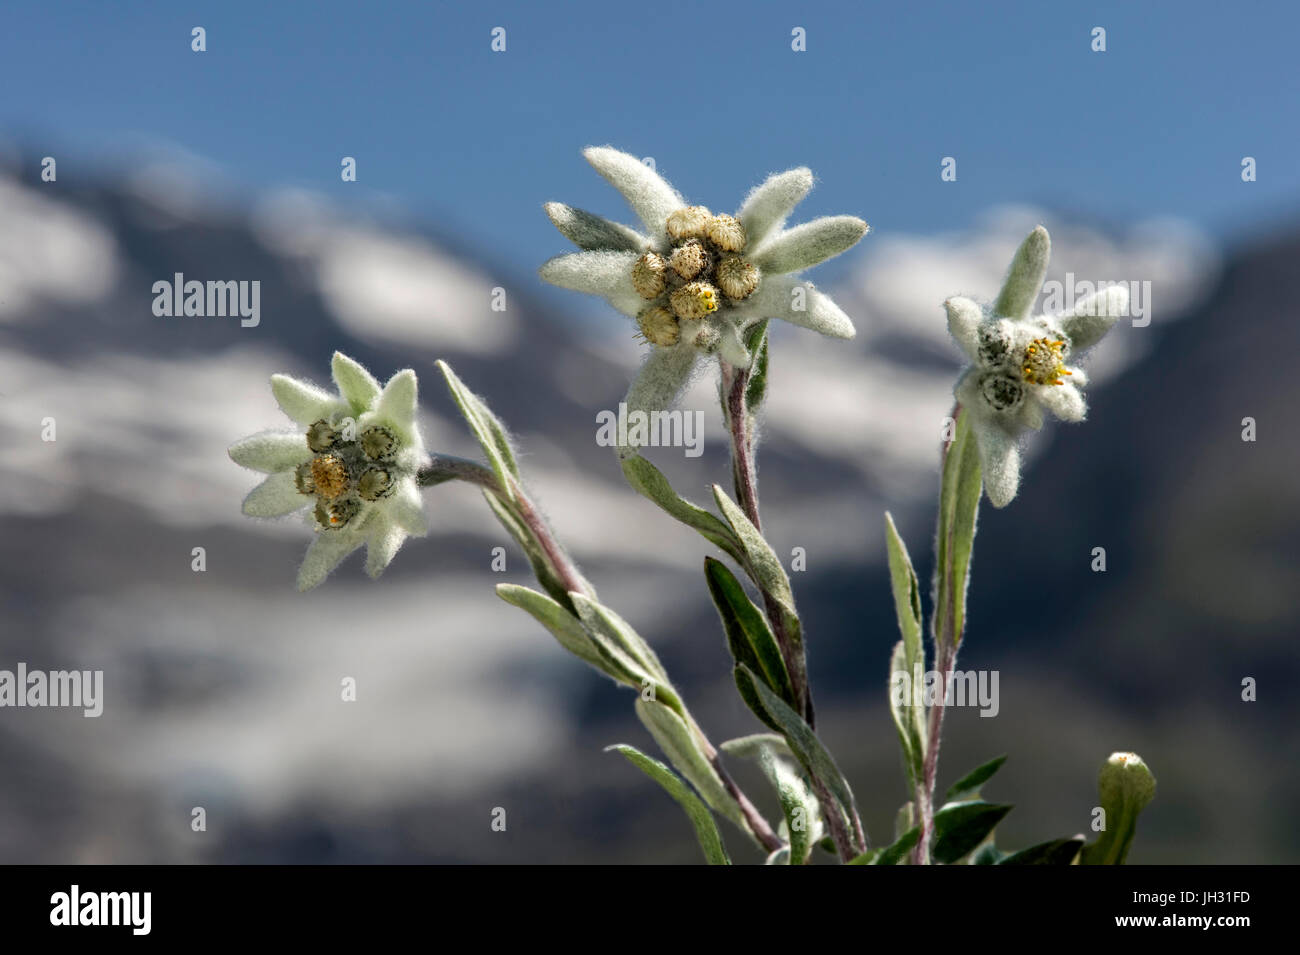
pixel 1044 362
pixel 329 475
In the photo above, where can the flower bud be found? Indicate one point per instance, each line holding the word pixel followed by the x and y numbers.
pixel 658 326
pixel 689 259
pixel 737 278
pixel 329 476
pixel 689 222
pixel 694 300
pixel 648 275
pixel 321 437
pixel 727 233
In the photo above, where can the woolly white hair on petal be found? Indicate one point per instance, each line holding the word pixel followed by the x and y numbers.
pixel 649 195
pixel 1092 317
pixel 1025 277
pixel 590 231
pixel 808 244
pixel 767 206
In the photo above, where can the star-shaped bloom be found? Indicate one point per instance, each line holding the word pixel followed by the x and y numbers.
pixel 353 462
pixel 694 281
pixel 1020 365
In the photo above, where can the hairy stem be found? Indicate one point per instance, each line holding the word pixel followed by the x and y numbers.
pixel 849 839
pixel 740 428
pixel 762 830
pixel 947 659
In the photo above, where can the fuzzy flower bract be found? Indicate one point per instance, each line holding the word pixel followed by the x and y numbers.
pixel 1020 365
pixel 696 281
pixel 352 463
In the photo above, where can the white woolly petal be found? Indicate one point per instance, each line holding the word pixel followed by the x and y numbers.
pixel 661 379
pixel 271 451
pixel 1064 401
pixel 808 244
pixel 397 403
pixel 384 542
pixel 357 386
pixel 999 459
pixel 327 550
pixel 303 402
pixel 405 507
pixel 1078 377
pixel 765 209
pixel 799 303
pixel 607 274
pixel 964 317
pixel 1092 317
pixel 650 197
pixel 590 231
pixel 1025 277
pixel 275 497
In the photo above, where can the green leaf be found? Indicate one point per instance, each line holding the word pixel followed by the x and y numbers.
pixel 601 621
pixel 489 431
pixel 756 342
pixel 1056 852
pixel 648 481
pixel 909 717
pixel 959 498
pixel 802 816
pixel 748 634
pixel 536 558
pixel 561 623
pixel 896 853
pixel 968 787
pixel 683 748
pixel 1125 785
pixel 765 570
pixel 749 747
pixel 909 655
pixel 961 826
pixel 805 745
pixel 705 828
pixel 627 668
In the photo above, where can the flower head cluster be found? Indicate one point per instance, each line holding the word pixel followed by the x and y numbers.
pixel 352 464
pixel 1020 365
pixel 696 281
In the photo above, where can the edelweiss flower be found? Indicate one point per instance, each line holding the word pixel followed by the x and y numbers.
pixel 696 281
pixel 354 463
pixel 1019 364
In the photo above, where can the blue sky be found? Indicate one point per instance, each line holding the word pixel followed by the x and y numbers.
pixel 474 141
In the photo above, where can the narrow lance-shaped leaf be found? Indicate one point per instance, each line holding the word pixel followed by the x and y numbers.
pixel 756 390
pixel 705 828
pixel 536 558
pixel 907 713
pixel 648 481
pixel 968 787
pixel 489 431
pixel 908 662
pixel 748 634
pixel 684 750
pixel 802 816
pixel 561 623
pixel 961 826
pixel 959 498
pixel 805 745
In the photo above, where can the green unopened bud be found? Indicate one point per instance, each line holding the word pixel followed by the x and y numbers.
pixel 1125 786
pixel 321 437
